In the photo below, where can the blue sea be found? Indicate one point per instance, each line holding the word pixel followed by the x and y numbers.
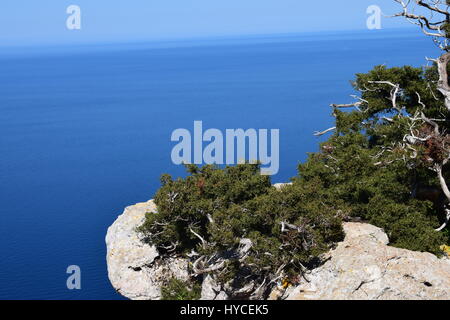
pixel 85 130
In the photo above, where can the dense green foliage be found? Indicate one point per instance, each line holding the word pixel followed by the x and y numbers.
pixel 176 289
pixel 207 215
pixel 224 206
pixel 384 188
pixel 185 203
pixel 382 165
pixel 361 171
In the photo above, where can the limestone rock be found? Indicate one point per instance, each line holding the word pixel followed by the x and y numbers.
pixel 279 186
pixel 133 267
pixel 211 290
pixel 364 267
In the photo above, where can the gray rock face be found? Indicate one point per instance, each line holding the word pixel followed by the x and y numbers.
pixel 364 267
pixel 211 290
pixel 133 267
pixel 280 186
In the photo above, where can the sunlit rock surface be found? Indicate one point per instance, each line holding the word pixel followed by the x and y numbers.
pixel 363 266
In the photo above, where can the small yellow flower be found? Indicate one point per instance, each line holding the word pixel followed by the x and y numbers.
pixel 445 249
pixel 285 284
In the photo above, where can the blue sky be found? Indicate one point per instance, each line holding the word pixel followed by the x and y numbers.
pixel 30 22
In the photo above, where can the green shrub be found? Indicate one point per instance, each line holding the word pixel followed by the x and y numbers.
pixel 214 212
pixel 234 226
pixel 366 170
pixel 381 165
pixel 176 289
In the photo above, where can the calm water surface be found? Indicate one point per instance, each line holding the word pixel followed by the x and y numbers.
pixel 85 131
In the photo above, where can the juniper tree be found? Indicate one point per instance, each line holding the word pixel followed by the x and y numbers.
pixel 386 162
pixel 234 226
pixel 388 157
